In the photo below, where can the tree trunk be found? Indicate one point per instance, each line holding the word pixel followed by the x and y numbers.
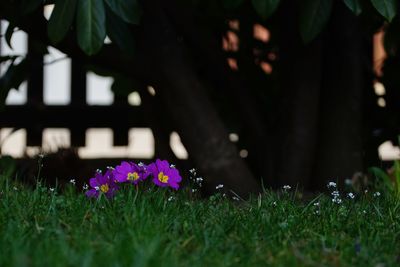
pixel 205 45
pixel 184 95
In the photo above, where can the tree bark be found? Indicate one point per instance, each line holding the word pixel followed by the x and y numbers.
pixel 184 95
pixel 204 42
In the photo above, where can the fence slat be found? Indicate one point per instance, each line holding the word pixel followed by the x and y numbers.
pixel 78 99
pixel 35 92
pixel 71 117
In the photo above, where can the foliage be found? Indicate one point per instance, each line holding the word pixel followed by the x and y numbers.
pixel 314 16
pixel 96 19
pixel 158 227
pixel 386 8
pixel 389 180
pixel 13 77
pixel 91 18
pixel 7 167
pixel 354 5
pixel 61 19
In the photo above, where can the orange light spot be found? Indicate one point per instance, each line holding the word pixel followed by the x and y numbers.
pixel 233 64
pixel 266 67
pixel 261 33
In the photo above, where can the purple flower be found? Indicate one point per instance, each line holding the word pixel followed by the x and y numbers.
pixel 164 175
pixel 104 184
pixel 130 172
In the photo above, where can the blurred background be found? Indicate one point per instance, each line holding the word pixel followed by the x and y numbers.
pixel 249 92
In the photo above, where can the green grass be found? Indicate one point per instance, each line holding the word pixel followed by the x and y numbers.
pixel 143 228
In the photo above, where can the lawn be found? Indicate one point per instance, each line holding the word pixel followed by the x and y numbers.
pixel 152 226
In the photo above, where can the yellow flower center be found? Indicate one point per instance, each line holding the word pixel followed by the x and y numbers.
pixel 163 178
pixel 133 176
pixel 104 188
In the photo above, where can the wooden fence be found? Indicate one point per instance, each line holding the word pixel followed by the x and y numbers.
pixel 78 116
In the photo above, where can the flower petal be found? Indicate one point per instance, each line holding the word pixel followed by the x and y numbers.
pixel 93 182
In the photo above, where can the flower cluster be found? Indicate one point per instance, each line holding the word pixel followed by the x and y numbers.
pixel 195 180
pixel 335 193
pixel 163 174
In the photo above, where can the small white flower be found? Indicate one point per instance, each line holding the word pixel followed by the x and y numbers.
pixel 192 170
pixel 235 198
pixel 316 204
pixel 72 181
pixel 85 187
pixel 110 168
pixel 199 179
pixel 351 195
pixel 15 188
pixel 98 171
pixel 365 191
pixel 170 198
pixel 141 164
pixel 316 212
pixel 274 203
pixel 377 194
pixel 41 155
pixel 331 185
pixel 364 211
pixel 336 200
pixel 335 193
pixel 97 188
pixel 172 166
pixel 287 187
pixel 194 190
pixel 220 186
pixel 51 189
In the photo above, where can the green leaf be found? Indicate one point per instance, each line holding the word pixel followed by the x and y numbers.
pixel 265 8
pixel 91 25
pixel 232 4
pixel 61 19
pixel 7 166
pixel 313 17
pixel 128 10
pixel 397 175
pixel 382 176
pixel 386 8
pixel 354 5
pixel 119 33
pixel 14 76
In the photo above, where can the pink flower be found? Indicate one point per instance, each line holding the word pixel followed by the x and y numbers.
pixel 130 172
pixel 102 184
pixel 164 175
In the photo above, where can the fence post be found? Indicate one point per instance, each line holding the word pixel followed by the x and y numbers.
pixel 78 100
pixel 35 91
